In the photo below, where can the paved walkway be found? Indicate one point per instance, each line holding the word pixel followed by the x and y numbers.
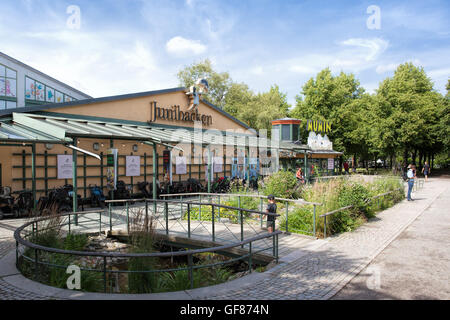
pixel 316 271
pixel 415 265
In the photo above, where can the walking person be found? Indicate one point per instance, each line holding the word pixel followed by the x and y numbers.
pixel 346 167
pixel 271 208
pixel 426 170
pixel 411 174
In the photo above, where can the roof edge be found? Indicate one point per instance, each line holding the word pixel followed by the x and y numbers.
pixel 13 60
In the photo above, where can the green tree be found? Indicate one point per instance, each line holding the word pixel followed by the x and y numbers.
pixel 333 98
pixel 237 97
pixel 409 111
pixel 219 83
pixel 261 109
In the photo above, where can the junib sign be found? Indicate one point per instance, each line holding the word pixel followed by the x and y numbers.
pixel 174 113
pixel 318 126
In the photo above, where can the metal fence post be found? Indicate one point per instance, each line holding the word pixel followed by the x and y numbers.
pixel 146 215
pixel 314 220
pixel 213 224
pixel 200 208
pixel 287 216
pixel 189 220
pixel 261 205
pixel 218 209
pixel 324 227
pixel 239 206
pixel 110 218
pixel 242 226
pixel 128 217
pixel 166 213
pixel 250 257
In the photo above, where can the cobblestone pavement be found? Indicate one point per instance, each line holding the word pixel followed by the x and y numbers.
pixel 322 273
pixel 7 243
pixel 318 274
pixel 415 266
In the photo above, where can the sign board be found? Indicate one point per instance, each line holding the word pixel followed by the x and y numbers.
pixel 180 165
pixel 331 164
pixel 111 171
pixel 218 164
pixel 167 165
pixel 133 166
pixel 65 170
pixel 318 126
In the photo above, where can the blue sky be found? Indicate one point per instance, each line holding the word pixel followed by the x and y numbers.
pixel 125 46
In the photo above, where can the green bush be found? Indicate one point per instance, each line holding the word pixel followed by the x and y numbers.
pixel 337 193
pixel 300 220
pixel 281 184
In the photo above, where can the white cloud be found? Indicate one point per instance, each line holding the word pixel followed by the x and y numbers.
pixel 140 57
pixel 179 46
pixel 376 46
pixel 439 73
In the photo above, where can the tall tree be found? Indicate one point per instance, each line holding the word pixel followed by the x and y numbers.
pixel 408 109
pixel 219 83
pixel 264 107
pixel 328 97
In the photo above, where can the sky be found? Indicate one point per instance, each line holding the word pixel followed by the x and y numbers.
pixel 112 47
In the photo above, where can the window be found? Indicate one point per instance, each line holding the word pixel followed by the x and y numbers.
pixel 8 82
pixel 286 132
pixel 41 93
pixel 8 88
pixel 295 132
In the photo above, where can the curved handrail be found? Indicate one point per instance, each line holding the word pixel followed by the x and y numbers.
pixel 22 241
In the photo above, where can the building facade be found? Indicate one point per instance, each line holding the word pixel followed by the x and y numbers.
pixel 22 85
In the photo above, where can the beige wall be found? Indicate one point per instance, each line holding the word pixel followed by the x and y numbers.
pixel 134 109
pixel 138 109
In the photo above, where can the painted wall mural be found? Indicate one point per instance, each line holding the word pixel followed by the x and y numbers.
pixel 35 90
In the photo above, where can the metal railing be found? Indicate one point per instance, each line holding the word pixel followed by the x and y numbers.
pixel 287 206
pixel 367 201
pixel 207 221
pixel 35 255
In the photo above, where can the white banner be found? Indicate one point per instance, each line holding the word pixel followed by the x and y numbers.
pixel 330 164
pixel 218 164
pixel 133 166
pixel 65 170
pixel 180 165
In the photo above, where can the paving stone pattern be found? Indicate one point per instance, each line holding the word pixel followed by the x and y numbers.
pixel 318 274
pixel 323 272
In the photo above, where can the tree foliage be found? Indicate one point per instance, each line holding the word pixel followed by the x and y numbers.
pixel 404 118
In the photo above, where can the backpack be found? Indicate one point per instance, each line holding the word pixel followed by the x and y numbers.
pixel 405 176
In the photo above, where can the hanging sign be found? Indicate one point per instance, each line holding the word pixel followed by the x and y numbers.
pixel 218 164
pixel 111 171
pixel 133 166
pixel 167 166
pixel 330 164
pixel 180 165
pixel 65 169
